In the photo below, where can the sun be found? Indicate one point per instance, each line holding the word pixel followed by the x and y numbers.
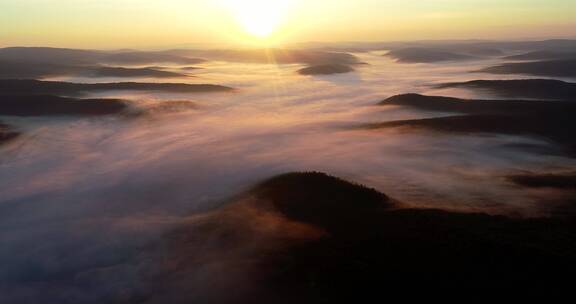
pixel 259 18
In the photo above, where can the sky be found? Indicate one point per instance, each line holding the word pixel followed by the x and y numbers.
pixel 157 23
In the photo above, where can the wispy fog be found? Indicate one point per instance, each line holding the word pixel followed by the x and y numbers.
pixel 86 194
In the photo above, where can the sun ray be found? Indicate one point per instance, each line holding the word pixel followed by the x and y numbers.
pixel 259 18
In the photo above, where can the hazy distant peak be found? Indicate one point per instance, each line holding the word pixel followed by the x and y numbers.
pixel 426 55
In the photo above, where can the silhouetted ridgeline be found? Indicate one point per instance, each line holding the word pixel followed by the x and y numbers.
pixel 51 55
pixel 19 62
pixel 557 129
pixel 556 45
pixel 190 68
pixel 44 98
pixel 310 238
pixel 321 200
pixel 314 238
pixel 457 105
pixel 326 69
pixel 48 105
pixel 544 55
pixel 553 68
pixel 26 69
pixel 525 88
pixel 130 72
pixel 22 70
pixel 70 57
pixel 564 45
pixel 282 56
pixel 559 189
pixel 472 47
pixel 548 120
pixel 164 107
pixel 560 181
pixel 426 55
pixel 139 57
pixel 91 57
pixel 12 86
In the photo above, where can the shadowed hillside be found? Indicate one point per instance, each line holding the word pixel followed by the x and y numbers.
pixel 426 55
pixel 173 197
pixel 138 58
pixel 281 56
pixel 12 86
pixel 561 181
pixel 130 72
pixel 474 47
pixel 51 55
pixel 48 105
pixel 310 237
pixel 552 68
pixel 457 105
pixel 547 120
pixel 38 62
pixel 543 55
pixel 525 88
pixel 91 57
pixel 322 200
pixel 26 69
pixel 327 69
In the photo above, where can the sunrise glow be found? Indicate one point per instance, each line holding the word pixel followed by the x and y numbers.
pixel 285 151
pixel 259 18
pixel 152 23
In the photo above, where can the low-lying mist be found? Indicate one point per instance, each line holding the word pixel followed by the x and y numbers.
pixel 85 195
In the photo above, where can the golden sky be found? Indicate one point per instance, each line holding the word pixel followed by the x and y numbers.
pixel 170 23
